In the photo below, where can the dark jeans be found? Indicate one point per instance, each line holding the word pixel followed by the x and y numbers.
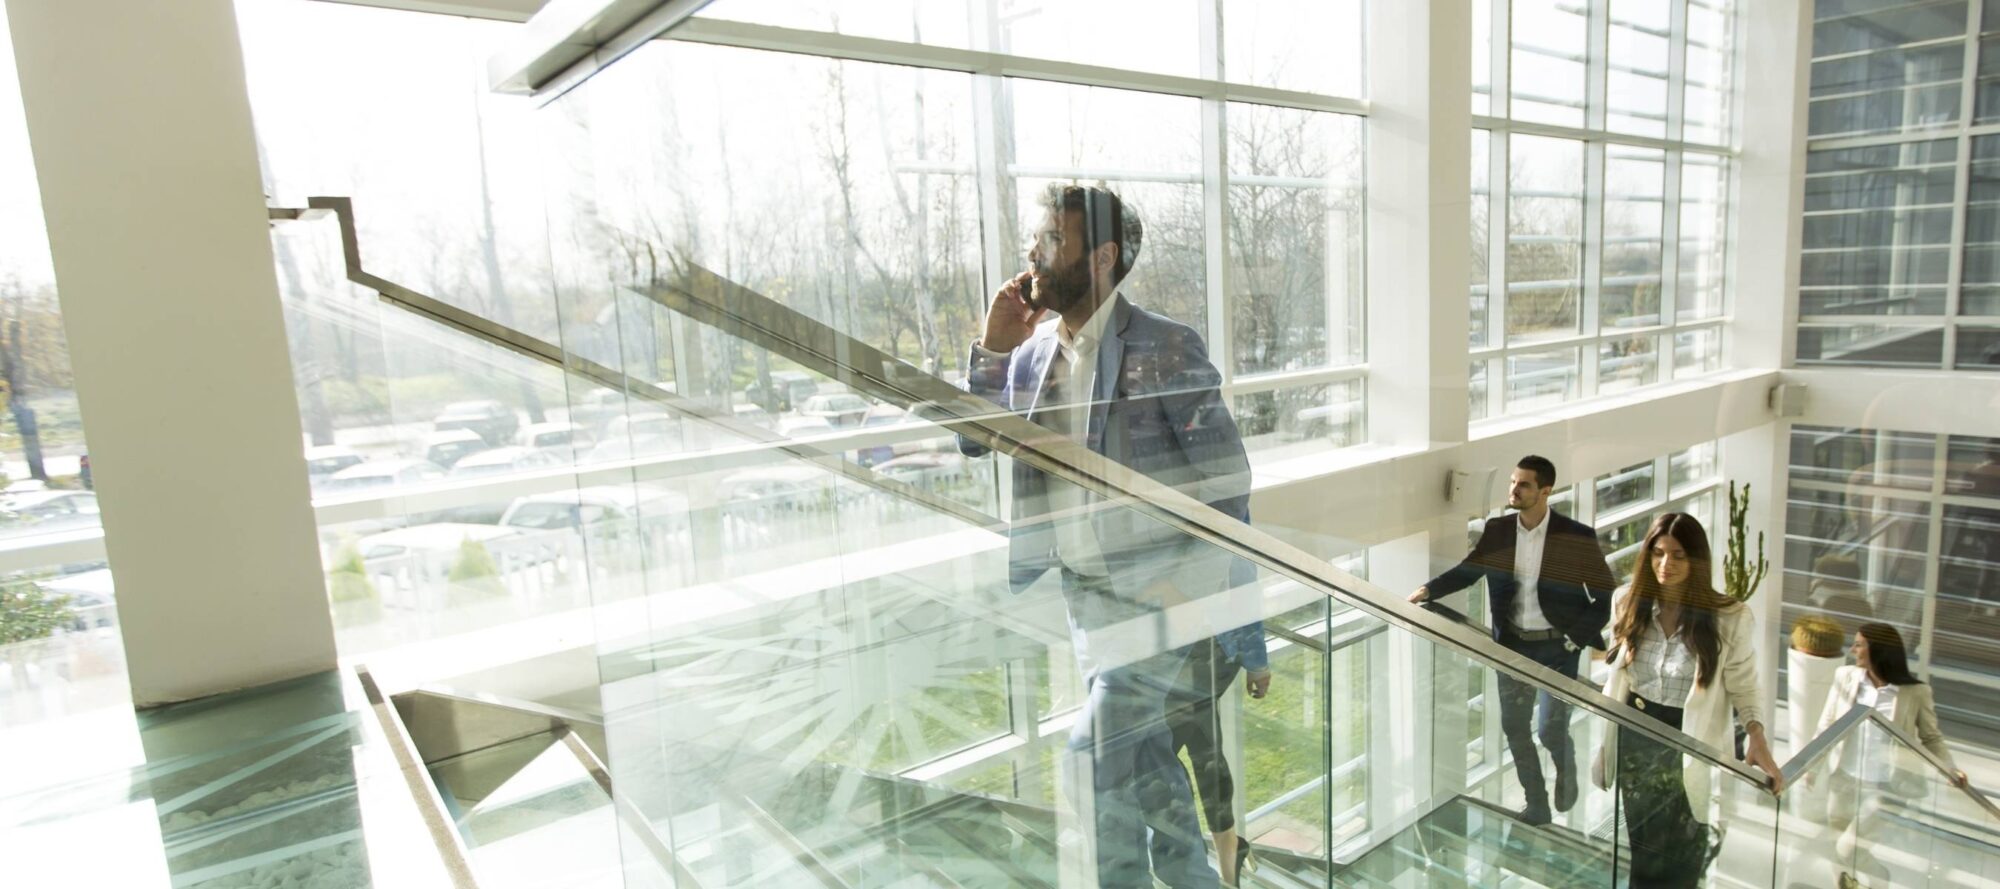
pixel 1669 847
pixel 1518 705
pixel 1197 729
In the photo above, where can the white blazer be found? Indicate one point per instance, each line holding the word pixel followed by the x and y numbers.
pixel 1706 712
pixel 1915 713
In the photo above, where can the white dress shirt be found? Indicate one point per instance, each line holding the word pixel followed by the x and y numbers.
pixel 1879 764
pixel 1663 666
pixel 1528 547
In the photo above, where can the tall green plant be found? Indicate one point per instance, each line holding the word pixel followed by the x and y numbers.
pixel 1739 576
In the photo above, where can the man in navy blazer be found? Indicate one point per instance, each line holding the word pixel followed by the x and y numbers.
pixel 1559 559
pixel 1064 348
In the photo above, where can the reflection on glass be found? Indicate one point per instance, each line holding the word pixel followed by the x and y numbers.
pixel 1627 363
pixel 1978 349
pixel 1980 293
pixel 1302 419
pixel 1871 344
pixel 1711 79
pixel 1885 67
pixel 1308 45
pixel 1636 75
pixel 1878 229
pixel 1295 227
pixel 1697 352
pixel 1546 71
pixel 1704 237
pixel 1625 487
pixel 1541 379
pixel 1544 237
pixel 1162 37
pixel 1694 465
pixel 1481 239
pixel 1477 377
pixel 1634 211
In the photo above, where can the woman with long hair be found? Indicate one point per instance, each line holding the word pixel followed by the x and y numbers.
pixel 1879 678
pixel 1684 654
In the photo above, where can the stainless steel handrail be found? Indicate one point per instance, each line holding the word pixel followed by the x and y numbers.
pixel 567 41
pixel 437 821
pixel 1849 724
pixel 490 331
pixel 738 311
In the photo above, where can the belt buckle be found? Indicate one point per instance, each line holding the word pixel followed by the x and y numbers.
pixel 1639 702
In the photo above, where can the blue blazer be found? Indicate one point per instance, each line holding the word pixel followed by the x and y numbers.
pixel 1157 408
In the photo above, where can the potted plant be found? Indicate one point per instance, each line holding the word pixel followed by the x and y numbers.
pixel 1740 577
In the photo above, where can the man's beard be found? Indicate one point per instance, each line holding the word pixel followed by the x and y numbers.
pixel 1061 290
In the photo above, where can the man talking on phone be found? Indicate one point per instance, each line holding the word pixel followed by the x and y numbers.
pixel 1063 347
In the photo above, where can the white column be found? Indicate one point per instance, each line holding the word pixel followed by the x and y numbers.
pixel 1419 211
pixel 1769 198
pixel 140 124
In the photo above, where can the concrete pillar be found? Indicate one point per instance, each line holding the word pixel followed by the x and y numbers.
pixel 140 125
pixel 1419 211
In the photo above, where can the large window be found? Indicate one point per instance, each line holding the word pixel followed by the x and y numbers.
pixel 60 648
pixel 1600 196
pixel 1900 528
pixel 1902 216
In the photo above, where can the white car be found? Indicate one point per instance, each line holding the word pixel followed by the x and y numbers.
pixel 501 461
pixel 449 446
pixel 638 435
pixel 595 505
pixel 556 436
pixel 841 409
pixel 322 462
pixel 384 474
pixel 37 512
pixel 437 539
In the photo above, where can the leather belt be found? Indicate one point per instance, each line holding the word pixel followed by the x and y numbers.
pixel 1549 635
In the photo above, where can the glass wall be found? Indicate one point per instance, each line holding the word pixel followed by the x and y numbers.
pixel 1899 528
pixel 60 647
pixel 1898 268
pixel 1600 222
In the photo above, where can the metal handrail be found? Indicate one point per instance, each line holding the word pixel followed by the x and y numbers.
pixel 1848 724
pixel 519 342
pixel 430 806
pixel 706 297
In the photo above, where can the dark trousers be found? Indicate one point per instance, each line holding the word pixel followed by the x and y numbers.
pixel 1197 728
pixel 1669 847
pixel 1519 702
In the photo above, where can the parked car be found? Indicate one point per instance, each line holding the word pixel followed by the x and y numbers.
pixel 593 506
pixel 48 510
pixel 91 597
pixel 500 461
pixel 323 462
pixel 557 436
pixel 490 420
pixel 449 447
pixel 788 388
pixel 843 410
pixel 631 436
pixel 878 416
pixel 384 474
pixel 798 427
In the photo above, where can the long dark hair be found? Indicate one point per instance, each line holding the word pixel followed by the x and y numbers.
pixel 1699 600
pixel 1886 654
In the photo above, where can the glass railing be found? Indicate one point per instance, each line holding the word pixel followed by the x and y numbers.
pixel 1870 808
pixel 292 784
pixel 854 693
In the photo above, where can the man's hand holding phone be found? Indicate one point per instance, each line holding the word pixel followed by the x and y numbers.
pixel 1010 320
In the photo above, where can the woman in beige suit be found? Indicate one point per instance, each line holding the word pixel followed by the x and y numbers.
pixel 1880 678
